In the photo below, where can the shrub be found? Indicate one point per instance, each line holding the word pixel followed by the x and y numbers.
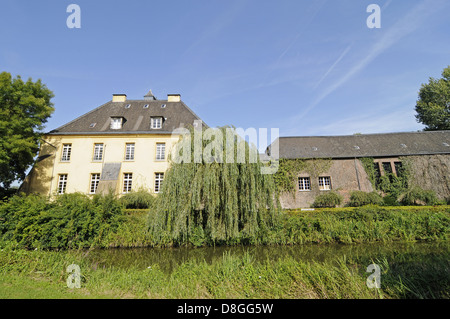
pixel 419 196
pixel 329 199
pixel 139 199
pixel 360 198
pixel 70 221
pixel 390 200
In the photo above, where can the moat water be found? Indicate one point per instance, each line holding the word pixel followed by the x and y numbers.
pixel 168 258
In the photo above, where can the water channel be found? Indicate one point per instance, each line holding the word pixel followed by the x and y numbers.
pixel 168 258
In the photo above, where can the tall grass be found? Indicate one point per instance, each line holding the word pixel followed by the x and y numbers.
pixel 406 276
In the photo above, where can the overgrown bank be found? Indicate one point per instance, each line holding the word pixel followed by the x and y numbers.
pixel 43 274
pixel 75 220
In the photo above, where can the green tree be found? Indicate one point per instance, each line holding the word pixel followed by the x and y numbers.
pixel 24 108
pixel 213 201
pixel 433 105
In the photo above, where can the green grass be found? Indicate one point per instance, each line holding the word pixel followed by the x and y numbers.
pixel 41 274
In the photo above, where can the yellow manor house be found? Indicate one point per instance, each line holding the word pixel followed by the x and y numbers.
pixel 120 146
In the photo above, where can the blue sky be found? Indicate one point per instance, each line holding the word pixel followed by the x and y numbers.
pixel 305 67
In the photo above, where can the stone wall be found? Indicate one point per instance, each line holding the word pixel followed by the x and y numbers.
pixel 346 175
pixel 431 172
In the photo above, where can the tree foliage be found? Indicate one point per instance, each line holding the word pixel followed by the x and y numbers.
pixel 24 108
pixel 433 105
pixel 214 202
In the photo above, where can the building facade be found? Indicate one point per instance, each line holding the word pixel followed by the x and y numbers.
pixel 336 163
pixel 121 146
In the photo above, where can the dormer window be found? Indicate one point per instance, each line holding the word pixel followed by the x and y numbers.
pixel 156 122
pixel 116 123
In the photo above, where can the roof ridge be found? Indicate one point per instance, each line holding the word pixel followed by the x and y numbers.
pixel 368 134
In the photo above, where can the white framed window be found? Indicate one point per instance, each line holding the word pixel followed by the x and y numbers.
pixel 324 183
pixel 160 151
pixel 159 177
pixel 62 183
pixel 127 182
pixel 98 152
pixel 116 123
pixel 95 179
pixel 129 151
pixel 156 122
pixel 66 152
pixel 304 184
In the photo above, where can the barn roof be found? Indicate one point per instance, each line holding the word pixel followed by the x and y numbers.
pixel 364 145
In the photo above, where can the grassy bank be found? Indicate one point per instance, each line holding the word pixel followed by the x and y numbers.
pixel 42 274
pixel 364 224
pixel 76 221
pixel 339 225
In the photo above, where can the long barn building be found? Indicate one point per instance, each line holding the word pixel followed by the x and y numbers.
pixel 427 154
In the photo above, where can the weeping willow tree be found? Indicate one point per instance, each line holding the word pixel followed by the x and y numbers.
pixel 214 191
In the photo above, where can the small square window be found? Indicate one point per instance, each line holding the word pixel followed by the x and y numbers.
pixel 304 184
pixel 324 183
pixel 146 106
pixel 156 122
pixel 127 106
pixel 116 123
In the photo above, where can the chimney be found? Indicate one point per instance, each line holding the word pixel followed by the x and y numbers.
pixel 173 97
pixel 119 97
pixel 149 96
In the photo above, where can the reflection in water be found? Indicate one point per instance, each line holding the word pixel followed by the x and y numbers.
pixel 168 258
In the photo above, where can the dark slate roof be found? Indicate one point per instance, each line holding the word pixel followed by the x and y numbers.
pixel 364 145
pixel 136 118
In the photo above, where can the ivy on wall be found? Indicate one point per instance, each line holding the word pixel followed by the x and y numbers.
pixel 289 169
pixel 389 183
